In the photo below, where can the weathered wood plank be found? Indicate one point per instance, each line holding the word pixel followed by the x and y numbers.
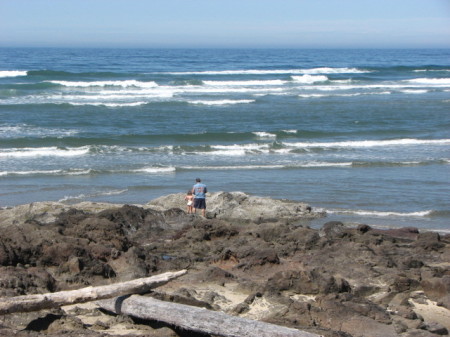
pixel 197 319
pixel 36 302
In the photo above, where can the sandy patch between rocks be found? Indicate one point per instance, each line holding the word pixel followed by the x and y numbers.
pixel 431 312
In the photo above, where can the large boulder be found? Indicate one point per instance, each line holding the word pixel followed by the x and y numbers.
pixel 239 206
pixel 45 212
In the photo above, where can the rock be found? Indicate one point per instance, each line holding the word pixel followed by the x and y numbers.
pixel 402 283
pixel 306 282
pixel 354 318
pixel 363 228
pixel 437 288
pixel 260 258
pixel 249 257
pixel 429 241
pixel 74 266
pixel 15 281
pixel 241 206
pixel 45 212
pixel 402 233
pixel 333 230
pixel 436 328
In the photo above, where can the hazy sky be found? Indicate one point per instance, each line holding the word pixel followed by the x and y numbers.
pixel 226 23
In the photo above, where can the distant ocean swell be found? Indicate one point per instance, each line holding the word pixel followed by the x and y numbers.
pixel 232 149
pixel 132 92
pixel 165 170
pixel 309 71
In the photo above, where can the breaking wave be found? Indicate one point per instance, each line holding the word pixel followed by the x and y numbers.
pixel 381 214
pixel 12 73
pixel 311 71
pixel 222 101
pixel 123 84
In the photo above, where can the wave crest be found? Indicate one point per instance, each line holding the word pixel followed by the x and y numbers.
pixel 123 84
pixel 12 73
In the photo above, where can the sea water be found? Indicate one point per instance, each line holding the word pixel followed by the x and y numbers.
pixel 361 134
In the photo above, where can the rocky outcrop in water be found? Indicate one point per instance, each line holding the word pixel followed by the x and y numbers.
pixel 336 281
pixel 239 206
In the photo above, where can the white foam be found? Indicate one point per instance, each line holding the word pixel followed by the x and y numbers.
pixel 69 198
pixel 370 143
pixel 93 195
pixel 323 164
pixel 245 83
pixel 309 79
pixel 236 152
pixel 44 152
pixel 78 172
pixel 47 172
pixel 14 131
pixel 430 70
pixel 381 214
pixel 23 173
pixel 245 147
pixel 113 192
pixel 326 70
pixel 223 102
pixel 123 84
pixel 265 135
pixel 156 170
pixel 110 105
pixel 268 167
pixel 290 131
pixel 347 81
pixel 410 91
pixel 431 81
pixel 225 89
pixel 313 95
pixel 237 167
pixel 311 71
pixel 237 149
pixel 344 95
pixel 408 84
pixel 12 73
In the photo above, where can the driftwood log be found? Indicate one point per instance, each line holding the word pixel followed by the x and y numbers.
pixel 36 302
pixel 197 319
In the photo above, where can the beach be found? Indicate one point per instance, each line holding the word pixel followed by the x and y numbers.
pixel 268 266
pixel 327 174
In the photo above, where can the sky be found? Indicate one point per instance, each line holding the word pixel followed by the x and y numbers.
pixel 225 23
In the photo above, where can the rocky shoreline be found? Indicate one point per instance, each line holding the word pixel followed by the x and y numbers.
pixel 252 257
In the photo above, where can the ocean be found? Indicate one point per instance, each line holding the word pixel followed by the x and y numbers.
pixel 361 134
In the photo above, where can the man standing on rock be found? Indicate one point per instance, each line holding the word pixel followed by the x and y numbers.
pixel 199 190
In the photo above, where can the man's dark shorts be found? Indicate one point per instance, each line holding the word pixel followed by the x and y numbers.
pixel 200 203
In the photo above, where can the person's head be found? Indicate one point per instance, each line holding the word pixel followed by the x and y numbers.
pixel 189 192
pixel 198 180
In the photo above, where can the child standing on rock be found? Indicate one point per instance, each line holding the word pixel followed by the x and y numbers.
pixel 190 202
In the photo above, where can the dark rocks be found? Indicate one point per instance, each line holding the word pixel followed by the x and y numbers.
pixel 15 281
pixel 438 289
pixel 259 257
pixel 337 281
pixel 333 230
pixel 403 283
pixel 307 282
pixel 429 241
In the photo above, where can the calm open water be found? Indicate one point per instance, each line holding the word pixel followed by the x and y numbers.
pixel 363 134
